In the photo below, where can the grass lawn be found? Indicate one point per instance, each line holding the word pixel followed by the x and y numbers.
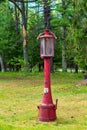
pixel 21 93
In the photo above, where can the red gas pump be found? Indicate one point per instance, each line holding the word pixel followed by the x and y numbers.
pixel 47 110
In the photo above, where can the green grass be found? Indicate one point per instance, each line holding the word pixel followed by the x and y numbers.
pixel 21 93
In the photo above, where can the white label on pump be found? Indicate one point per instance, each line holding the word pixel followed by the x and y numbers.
pixel 46 90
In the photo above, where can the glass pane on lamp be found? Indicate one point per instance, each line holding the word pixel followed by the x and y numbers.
pixel 49 47
pixel 42 47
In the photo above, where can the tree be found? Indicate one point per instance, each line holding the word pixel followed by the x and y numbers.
pixel 64 59
pixel 66 18
pixel 80 24
pixel 76 47
pixel 10 45
pixel 24 12
pixel 24 28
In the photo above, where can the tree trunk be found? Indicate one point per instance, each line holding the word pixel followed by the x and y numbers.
pixel 25 46
pixel 47 14
pixel 16 19
pixel 2 64
pixel 39 67
pixel 76 68
pixel 64 60
pixel 24 29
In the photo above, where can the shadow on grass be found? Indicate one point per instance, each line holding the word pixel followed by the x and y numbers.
pixel 64 121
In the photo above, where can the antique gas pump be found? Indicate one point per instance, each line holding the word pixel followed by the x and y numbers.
pixel 47 110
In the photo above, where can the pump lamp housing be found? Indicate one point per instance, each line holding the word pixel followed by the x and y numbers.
pixel 46 44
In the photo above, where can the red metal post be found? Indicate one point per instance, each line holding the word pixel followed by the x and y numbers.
pixel 47 110
pixel 47 98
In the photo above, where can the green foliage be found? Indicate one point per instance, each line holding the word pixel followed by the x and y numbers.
pixel 73 16
pixel 17 63
pixel 1 1
pixel 77 36
pixel 10 44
